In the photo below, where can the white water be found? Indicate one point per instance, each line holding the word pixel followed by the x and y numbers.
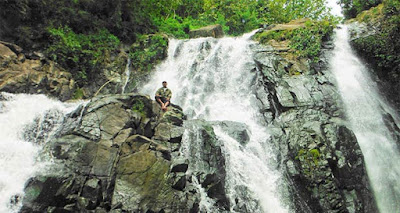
pixel 19 158
pixel 212 79
pixel 365 110
pixel 127 75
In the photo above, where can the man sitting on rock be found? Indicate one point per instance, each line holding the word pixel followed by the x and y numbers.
pixel 163 96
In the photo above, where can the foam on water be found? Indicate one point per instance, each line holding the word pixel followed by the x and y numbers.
pixel 213 79
pixel 365 110
pixel 18 157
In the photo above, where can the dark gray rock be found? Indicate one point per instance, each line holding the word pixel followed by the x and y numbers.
pixel 319 154
pixel 109 159
pixel 209 31
pixel 236 130
pixel 206 160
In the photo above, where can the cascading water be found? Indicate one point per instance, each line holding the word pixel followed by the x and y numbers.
pixel 127 75
pixel 213 79
pixel 19 158
pixel 365 111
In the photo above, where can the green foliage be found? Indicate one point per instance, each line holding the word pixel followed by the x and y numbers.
pixel 78 94
pixel 129 18
pixel 391 7
pixel 383 47
pixel 83 33
pixel 147 51
pixel 351 8
pixel 306 41
pixel 173 26
pixel 139 107
pixel 83 54
pixel 309 160
pixel 281 11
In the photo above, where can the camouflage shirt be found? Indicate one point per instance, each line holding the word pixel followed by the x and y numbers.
pixel 164 92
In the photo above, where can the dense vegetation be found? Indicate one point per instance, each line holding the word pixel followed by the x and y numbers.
pixel 351 8
pixel 306 41
pixel 383 47
pixel 83 33
pixel 81 53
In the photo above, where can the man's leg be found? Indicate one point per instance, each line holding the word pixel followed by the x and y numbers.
pixel 166 102
pixel 158 99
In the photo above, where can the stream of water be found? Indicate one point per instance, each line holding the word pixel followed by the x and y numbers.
pixel 213 79
pixel 19 158
pixel 365 110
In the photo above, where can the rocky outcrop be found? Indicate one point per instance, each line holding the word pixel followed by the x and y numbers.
pixel 121 71
pixel 318 153
pixel 122 153
pixel 32 73
pixel 374 35
pixel 208 31
pixel 138 60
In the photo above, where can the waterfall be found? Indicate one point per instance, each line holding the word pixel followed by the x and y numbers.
pixel 19 158
pixel 365 110
pixel 214 79
pixel 127 75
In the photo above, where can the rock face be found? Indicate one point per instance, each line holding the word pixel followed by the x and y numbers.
pixel 20 73
pixel 365 36
pixel 319 154
pixel 209 31
pixel 121 153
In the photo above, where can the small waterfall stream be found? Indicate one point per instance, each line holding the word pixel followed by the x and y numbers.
pixel 365 110
pixel 213 79
pixel 127 75
pixel 19 158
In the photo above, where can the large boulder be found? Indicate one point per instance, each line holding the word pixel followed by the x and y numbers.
pixel 19 74
pixel 107 160
pixel 208 31
pixel 306 118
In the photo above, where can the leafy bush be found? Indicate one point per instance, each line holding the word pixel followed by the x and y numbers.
pixel 306 41
pixel 173 26
pixel 351 8
pixel 309 160
pixel 78 94
pixel 147 51
pixel 139 107
pixel 383 47
pixel 81 53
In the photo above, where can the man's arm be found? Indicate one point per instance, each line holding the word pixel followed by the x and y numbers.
pixel 169 95
pixel 158 93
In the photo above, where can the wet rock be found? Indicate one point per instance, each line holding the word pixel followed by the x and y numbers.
pixel 122 136
pixel 313 141
pixel 207 160
pixel 209 31
pixel 112 164
pixel 174 116
pixel 180 184
pixel 180 166
pixel 91 193
pixel 236 130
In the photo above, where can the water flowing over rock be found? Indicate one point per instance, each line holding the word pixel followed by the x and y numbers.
pixel 307 140
pixel 26 122
pixel 361 35
pixel 373 121
pixel 257 129
pixel 122 153
pixel 317 150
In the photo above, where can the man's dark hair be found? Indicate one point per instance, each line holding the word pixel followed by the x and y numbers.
pixel 164 82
